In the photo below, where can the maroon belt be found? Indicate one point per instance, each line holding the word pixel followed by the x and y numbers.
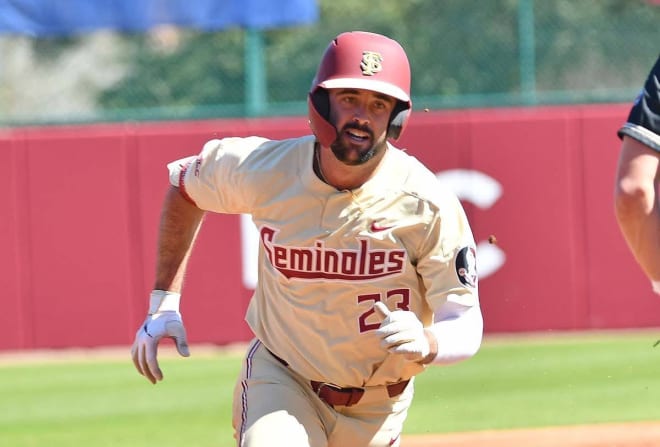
pixel 334 395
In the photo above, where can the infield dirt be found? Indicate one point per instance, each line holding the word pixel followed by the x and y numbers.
pixel 637 434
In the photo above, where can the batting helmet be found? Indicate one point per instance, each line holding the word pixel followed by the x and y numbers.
pixel 361 60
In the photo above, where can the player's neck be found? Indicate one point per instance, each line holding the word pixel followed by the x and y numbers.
pixel 339 175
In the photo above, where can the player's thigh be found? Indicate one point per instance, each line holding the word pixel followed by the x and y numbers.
pixel 271 408
pixel 270 414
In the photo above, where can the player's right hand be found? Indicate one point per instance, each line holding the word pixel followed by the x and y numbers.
pixel 402 333
pixel 159 324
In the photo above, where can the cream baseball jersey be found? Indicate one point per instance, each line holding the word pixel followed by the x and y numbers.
pixel 326 256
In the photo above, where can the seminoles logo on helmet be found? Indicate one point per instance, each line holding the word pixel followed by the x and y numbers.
pixel 371 63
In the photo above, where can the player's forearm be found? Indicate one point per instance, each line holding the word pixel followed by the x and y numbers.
pixel 179 225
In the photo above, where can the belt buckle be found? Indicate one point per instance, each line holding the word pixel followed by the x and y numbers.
pixel 329 385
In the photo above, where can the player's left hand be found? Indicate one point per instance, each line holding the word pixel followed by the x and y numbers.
pixel 401 332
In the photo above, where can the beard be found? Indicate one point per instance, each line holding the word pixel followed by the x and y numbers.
pixel 351 153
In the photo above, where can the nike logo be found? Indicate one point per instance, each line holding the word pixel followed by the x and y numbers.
pixel 394 439
pixel 375 228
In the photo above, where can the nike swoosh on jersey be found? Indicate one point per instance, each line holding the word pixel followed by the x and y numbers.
pixel 375 228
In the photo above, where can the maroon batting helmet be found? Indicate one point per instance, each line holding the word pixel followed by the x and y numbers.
pixel 361 60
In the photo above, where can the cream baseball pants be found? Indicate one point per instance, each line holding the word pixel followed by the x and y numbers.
pixel 276 407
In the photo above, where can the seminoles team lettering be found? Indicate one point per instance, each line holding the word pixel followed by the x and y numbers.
pixel 322 262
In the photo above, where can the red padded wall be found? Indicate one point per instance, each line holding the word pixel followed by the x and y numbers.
pixel 82 203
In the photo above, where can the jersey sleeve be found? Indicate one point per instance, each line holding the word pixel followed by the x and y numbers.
pixel 214 180
pixel 643 122
pixel 448 269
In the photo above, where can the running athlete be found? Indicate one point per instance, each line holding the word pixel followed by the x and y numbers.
pixel 366 263
pixel 637 203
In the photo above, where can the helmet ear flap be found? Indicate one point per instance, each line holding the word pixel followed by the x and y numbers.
pixel 318 105
pixel 321 100
pixel 398 120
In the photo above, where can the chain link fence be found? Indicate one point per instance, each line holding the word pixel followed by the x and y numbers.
pixel 464 53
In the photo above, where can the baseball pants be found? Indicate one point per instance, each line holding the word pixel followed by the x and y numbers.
pixel 276 407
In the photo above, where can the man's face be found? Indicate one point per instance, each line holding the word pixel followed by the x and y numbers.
pixel 361 118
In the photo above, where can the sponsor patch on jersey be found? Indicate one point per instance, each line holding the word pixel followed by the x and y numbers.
pixel 466 266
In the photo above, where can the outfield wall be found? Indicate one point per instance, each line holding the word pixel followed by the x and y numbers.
pixel 78 233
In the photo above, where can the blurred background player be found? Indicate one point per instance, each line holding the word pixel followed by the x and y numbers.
pixel 367 269
pixel 637 202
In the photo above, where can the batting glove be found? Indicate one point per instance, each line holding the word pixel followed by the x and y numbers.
pixel 401 332
pixel 164 320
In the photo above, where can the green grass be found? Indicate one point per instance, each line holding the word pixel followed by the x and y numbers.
pixel 106 403
pixel 542 382
pixel 510 383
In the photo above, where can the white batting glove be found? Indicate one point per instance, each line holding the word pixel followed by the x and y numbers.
pixel 164 320
pixel 401 332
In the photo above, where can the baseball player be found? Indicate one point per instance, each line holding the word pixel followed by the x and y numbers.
pixel 366 264
pixel 637 202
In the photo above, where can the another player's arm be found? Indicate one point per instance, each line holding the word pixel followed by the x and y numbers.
pixel 637 205
pixel 179 225
pixel 636 191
